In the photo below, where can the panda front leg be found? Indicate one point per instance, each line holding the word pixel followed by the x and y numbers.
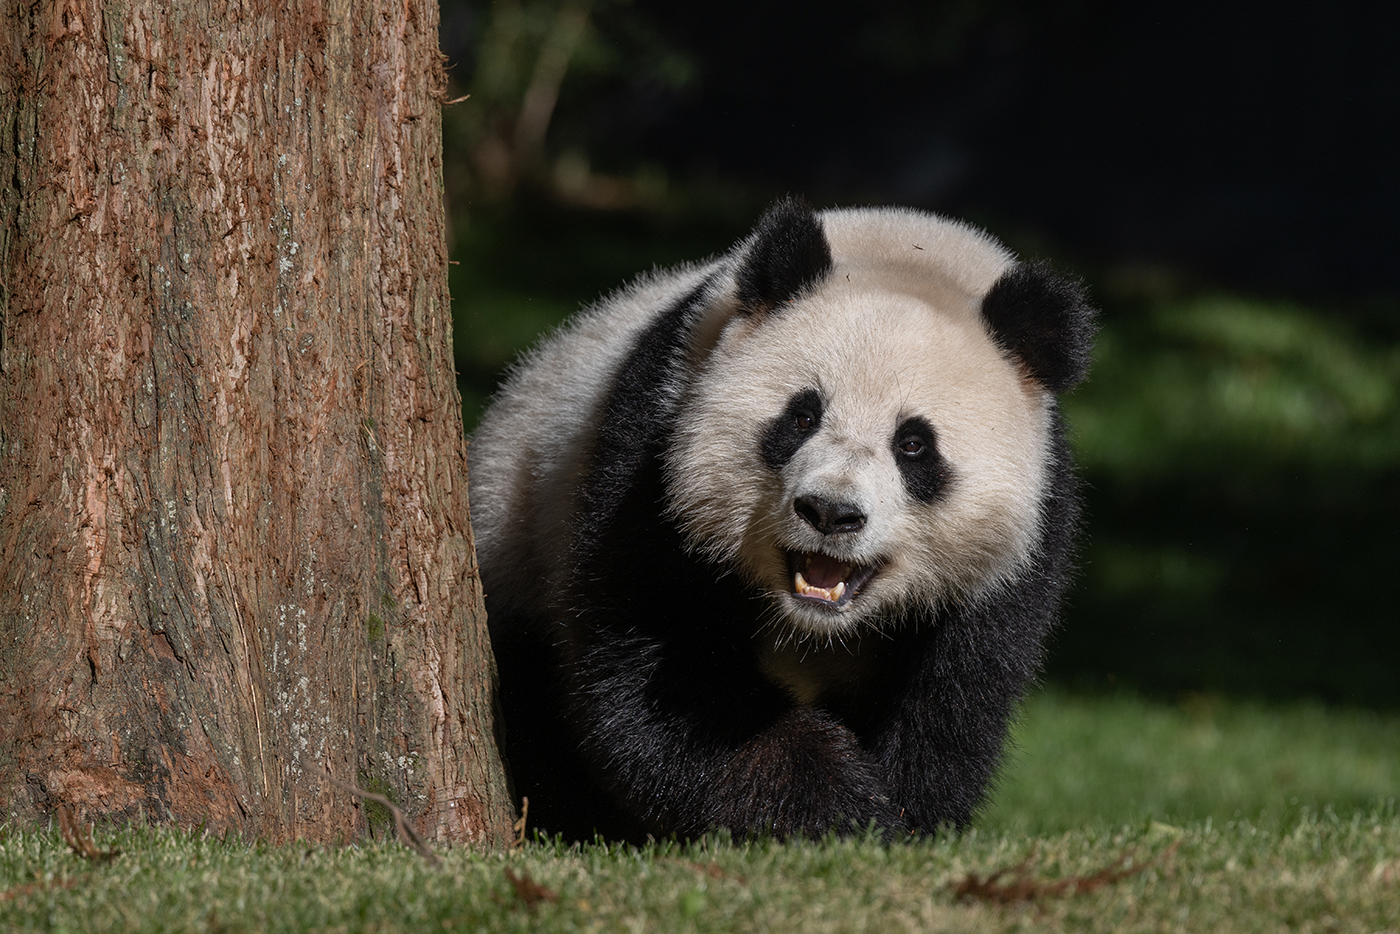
pixel 952 709
pixel 806 773
pixel 954 704
pixel 689 737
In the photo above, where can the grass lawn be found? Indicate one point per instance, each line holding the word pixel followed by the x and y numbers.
pixel 1257 818
pixel 1111 761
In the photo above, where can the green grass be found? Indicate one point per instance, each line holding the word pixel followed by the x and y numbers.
pixel 1108 761
pixel 1319 873
pixel 1281 818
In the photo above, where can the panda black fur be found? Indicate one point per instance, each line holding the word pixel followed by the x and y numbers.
pixel 859 405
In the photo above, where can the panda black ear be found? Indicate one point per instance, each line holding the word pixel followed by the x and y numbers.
pixel 1045 321
pixel 788 254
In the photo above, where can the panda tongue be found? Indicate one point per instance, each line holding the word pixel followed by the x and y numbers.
pixel 824 571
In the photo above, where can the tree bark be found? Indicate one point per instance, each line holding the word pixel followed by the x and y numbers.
pixel 235 561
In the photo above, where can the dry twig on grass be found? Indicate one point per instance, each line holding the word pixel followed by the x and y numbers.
pixel 79 840
pixel 528 890
pixel 1022 888
pixel 406 834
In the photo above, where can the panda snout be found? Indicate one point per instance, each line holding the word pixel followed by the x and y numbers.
pixel 827 516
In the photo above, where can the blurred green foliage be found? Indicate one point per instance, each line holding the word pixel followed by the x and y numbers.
pixel 1242 457
pixel 1190 384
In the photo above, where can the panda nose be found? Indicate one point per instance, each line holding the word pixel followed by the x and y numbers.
pixel 827 517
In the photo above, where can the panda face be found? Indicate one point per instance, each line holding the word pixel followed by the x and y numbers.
pixel 859 454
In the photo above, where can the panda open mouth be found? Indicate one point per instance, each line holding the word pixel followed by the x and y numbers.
pixel 828 581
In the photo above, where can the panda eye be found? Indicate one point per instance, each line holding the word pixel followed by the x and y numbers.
pixel 799 420
pixel 915 449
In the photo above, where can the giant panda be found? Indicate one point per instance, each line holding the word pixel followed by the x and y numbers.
pixel 773 543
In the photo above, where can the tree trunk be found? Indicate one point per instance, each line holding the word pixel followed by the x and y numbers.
pixel 235 561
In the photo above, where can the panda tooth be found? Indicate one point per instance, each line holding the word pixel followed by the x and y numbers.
pixel 830 594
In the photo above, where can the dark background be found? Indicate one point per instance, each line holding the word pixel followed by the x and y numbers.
pixel 1224 177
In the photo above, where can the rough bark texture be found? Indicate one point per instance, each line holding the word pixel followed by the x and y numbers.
pixel 235 560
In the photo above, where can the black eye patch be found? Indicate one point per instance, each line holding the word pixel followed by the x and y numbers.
pixel 785 434
pixel 926 474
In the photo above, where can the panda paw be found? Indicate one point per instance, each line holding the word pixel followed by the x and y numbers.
pixel 804 775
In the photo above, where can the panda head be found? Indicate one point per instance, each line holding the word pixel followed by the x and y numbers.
pixel 869 432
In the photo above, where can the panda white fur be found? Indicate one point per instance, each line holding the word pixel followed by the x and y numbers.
pixel 773 543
